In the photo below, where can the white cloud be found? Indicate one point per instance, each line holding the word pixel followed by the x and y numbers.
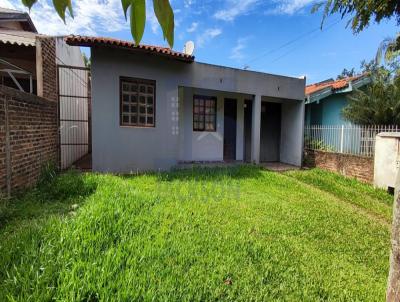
pixel 237 51
pixel 188 3
pixel 193 27
pixel 152 19
pixel 6 4
pixel 208 35
pixel 289 7
pixel 91 17
pixel 235 8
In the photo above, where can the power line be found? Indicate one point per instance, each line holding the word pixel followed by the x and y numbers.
pixel 263 54
pixel 295 48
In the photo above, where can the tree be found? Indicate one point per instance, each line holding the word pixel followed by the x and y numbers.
pixel 162 10
pixel 362 11
pixel 86 60
pixel 379 104
pixel 389 50
pixel 393 290
pixel 346 73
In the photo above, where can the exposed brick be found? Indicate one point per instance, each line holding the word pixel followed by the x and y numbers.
pixel 359 167
pixel 48 47
pixel 33 129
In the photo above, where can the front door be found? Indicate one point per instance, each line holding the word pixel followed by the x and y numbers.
pixel 270 132
pixel 230 110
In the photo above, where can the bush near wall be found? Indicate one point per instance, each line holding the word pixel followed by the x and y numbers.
pixel 359 167
pixel 28 135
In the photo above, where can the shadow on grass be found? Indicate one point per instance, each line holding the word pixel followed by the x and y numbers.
pixel 212 173
pixel 56 196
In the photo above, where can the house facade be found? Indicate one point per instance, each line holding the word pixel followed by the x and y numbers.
pixel 325 100
pixel 153 108
pixel 31 62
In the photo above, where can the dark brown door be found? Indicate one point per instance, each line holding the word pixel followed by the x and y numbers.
pixel 230 112
pixel 270 132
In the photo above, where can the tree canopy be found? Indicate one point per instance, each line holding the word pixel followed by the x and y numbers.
pixel 379 102
pixel 137 14
pixel 362 11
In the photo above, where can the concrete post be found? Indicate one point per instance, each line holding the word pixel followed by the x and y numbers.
pixel 255 130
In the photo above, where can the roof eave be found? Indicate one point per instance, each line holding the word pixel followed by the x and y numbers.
pixel 136 49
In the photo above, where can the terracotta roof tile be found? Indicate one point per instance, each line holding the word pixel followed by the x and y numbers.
pixel 334 85
pixel 157 50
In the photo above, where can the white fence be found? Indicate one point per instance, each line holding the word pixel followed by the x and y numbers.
pixel 348 139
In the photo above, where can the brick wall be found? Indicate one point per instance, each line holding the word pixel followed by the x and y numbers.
pixel 359 167
pixel 49 67
pixel 33 137
pixel 2 146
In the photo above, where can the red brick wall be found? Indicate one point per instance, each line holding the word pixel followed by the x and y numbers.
pixel 2 146
pixel 48 54
pixel 33 134
pixel 359 167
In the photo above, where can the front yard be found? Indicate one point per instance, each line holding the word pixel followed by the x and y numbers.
pixel 238 234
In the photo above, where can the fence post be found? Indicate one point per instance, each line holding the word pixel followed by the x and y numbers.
pixel 8 151
pixel 341 139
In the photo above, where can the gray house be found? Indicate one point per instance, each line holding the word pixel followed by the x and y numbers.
pixel 153 108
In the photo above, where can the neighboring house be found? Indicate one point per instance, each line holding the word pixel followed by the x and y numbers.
pixel 153 107
pixel 30 62
pixel 325 100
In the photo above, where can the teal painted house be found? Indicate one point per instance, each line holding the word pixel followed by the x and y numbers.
pixel 325 100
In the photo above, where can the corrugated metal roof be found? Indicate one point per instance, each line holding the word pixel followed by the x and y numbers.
pixel 23 18
pixel 101 41
pixel 18 37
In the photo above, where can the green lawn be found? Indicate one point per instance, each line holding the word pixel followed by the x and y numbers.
pixel 238 234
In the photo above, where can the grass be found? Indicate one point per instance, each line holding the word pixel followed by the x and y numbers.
pixel 238 234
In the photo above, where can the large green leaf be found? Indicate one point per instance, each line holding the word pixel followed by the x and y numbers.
pixel 61 5
pixel 138 19
pixel 165 16
pixel 29 3
pixel 125 6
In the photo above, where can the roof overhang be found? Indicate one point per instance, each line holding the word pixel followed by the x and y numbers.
pixel 121 44
pixel 20 38
pixel 17 16
pixel 324 93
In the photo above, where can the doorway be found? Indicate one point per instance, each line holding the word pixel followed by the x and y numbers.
pixel 248 112
pixel 270 132
pixel 230 114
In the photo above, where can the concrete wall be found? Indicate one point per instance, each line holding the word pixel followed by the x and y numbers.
pixel 387 159
pixel 208 146
pixel 328 111
pixel 292 132
pixel 125 149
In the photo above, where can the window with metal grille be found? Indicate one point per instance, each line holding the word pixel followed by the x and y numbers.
pixel 137 102
pixel 204 113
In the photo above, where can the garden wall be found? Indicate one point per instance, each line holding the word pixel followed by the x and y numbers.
pixel 359 167
pixel 28 138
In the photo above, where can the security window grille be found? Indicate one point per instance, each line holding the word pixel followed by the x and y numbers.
pixel 137 102
pixel 204 113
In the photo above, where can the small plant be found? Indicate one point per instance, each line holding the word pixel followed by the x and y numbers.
pixel 318 144
pixel 48 172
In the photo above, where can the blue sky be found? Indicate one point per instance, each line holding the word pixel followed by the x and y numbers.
pixel 275 36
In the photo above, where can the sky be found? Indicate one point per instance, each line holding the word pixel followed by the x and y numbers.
pixel 274 36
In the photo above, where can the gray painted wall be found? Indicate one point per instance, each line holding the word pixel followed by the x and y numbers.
pixel 126 149
pixel 208 146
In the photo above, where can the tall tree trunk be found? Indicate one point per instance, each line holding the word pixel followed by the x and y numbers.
pixel 393 290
